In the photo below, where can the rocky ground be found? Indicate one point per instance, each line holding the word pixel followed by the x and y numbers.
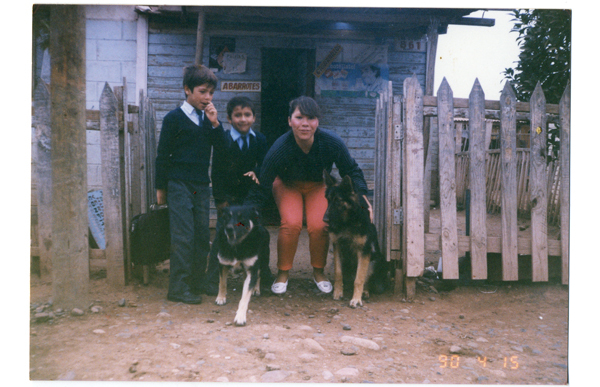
pixel 496 333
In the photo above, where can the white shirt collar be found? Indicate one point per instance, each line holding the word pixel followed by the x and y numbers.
pixel 235 135
pixel 190 111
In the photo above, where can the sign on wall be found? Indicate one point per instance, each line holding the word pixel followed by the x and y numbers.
pixel 351 70
pixel 241 86
pixel 234 63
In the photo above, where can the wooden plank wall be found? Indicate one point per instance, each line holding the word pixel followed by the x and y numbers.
pixel 537 245
pixel 171 47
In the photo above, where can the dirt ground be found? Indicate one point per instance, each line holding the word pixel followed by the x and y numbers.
pixel 494 333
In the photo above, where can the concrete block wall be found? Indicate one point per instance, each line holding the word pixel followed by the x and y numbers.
pixel 111 47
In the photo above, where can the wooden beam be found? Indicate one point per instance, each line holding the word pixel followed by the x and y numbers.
pixel 200 36
pixel 463 103
pixel 493 244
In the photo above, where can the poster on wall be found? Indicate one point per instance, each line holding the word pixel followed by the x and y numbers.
pixel 217 50
pixel 351 70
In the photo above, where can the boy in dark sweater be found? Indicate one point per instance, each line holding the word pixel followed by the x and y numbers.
pixel 236 163
pixel 182 181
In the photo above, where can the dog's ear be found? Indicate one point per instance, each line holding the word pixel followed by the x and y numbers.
pixel 328 179
pixel 347 183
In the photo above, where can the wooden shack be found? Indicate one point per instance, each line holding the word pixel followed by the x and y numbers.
pixel 340 56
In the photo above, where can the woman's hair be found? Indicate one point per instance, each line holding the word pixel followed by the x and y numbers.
pixel 305 105
pixel 198 75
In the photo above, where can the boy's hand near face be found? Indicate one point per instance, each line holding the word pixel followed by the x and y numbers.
pixel 211 114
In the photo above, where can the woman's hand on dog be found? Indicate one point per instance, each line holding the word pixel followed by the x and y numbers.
pixel 252 175
pixel 370 208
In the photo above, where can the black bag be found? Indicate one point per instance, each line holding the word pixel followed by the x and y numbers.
pixel 150 236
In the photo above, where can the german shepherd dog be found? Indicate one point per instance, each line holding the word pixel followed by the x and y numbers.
pixel 356 251
pixel 242 243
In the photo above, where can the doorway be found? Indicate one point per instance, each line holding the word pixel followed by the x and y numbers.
pixel 286 74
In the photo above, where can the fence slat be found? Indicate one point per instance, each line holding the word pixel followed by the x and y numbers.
pixel 395 178
pixel 538 186
pixel 477 153
pixel 565 154
pixel 447 182
pixel 414 235
pixel 111 187
pixel 508 155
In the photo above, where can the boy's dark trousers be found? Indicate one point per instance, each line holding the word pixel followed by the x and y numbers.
pixel 188 204
pixel 212 273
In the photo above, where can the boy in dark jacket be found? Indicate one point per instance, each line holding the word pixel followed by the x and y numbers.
pixel 182 181
pixel 236 163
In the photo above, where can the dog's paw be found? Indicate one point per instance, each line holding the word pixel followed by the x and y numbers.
pixel 337 294
pixel 355 302
pixel 256 291
pixel 221 301
pixel 239 320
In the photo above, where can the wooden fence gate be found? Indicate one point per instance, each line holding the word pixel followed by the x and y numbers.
pixel 494 178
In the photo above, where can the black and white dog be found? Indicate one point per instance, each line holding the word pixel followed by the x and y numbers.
pixel 242 243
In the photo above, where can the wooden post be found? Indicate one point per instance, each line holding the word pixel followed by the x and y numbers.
pixel 565 175
pixel 43 175
pixel 200 37
pixel 395 176
pixel 477 152
pixel 447 181
pixel 111 187
pixel 412 198
pixel 538 186
pixel 508 156
pixel 70 246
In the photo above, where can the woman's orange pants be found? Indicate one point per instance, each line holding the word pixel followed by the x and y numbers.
pixel 292 201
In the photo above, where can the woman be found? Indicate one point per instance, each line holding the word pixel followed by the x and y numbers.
pixel 293 172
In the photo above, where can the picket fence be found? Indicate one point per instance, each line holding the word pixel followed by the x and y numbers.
pixel 515 182
pixel 128 149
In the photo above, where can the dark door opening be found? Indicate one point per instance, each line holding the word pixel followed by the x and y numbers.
pixel 286 74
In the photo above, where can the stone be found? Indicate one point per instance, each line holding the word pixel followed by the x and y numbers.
pixel 76 312
pixel 455 349
pixel 312 345
pixel 99 331
pixel 274 376
pixel 273 367
pixel 327 375
pixel 305 328
pixel 41 316
pixel 361 342
pixel 122 302
pixel 222 379
pixel 270 356
pixel 175 345
pixel 346 327
pixel 348 371
pixel 348 351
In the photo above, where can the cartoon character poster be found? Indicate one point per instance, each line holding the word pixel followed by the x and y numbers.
pixel 359 71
